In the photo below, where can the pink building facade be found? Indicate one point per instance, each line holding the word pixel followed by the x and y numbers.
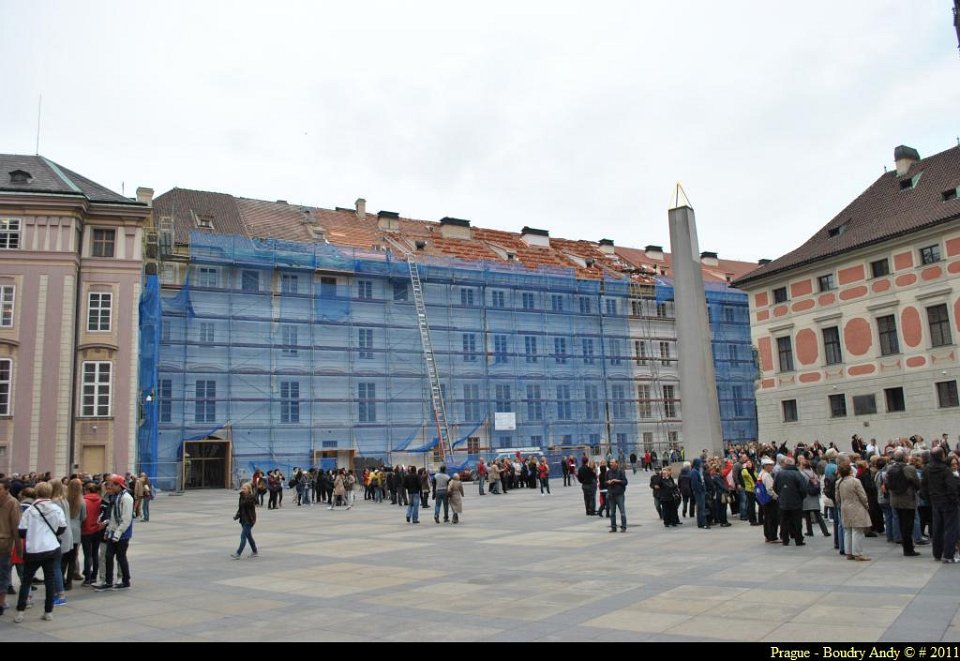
pixel 70 272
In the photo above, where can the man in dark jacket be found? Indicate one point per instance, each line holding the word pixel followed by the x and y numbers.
pixel 588 483
pixel 616 494
pixel 655 485
pixel 791 487
pixel 941 489
pixel 699 490
pixel 905 501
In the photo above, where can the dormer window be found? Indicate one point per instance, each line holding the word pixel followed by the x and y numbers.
pixel 204 221
pixel 951 194
pixel 20 177
pixel 910 182
pixel 837 231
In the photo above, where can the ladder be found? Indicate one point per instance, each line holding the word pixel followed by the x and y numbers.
pixel 436 393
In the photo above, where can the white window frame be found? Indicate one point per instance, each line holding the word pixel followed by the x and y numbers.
pixel 93 410
pixel 7 233
pixel 206 272
pixel 6 387
pixel 8 300
pixel 208 332
pixel 95 324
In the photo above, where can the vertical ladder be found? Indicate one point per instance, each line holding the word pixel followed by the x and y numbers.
pixel 436 394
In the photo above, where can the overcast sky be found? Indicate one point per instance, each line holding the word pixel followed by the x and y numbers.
pixel 575 117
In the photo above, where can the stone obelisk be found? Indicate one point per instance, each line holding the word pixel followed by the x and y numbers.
pixel 700 409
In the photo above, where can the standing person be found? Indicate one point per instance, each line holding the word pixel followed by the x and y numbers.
pixel 481 474
pixel 91 533
pixel 719 496
pixel 339 491
pixel 602 483
pixel 616 494
pixel 940 489
pixel 811 499
pixel 440 482
pixel 349 486
pixel 902 487
pixel 748 479
pixel 118 533
pixel 686 494
pixel 455 496
pixel 494 478
pixel 76 513
pixel 669 499
pixel 247 516
pixel 633 462
pixel 565 471
pixel 855 510
pixel 146 491
pixel 58 498
pixel 656 481
pixel 272 488
pixel 771 510
pixel 411 484
pixel 790 486
pixel 424 487
pixel 543 472
pixel 41 523
pixel 9 534
pixel 587 477
pixel 699 490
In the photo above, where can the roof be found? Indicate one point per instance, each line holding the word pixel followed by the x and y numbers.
pixel 347 228
pixel 891 207
pixel 48 177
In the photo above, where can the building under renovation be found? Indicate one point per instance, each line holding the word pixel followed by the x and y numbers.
pixel 279 335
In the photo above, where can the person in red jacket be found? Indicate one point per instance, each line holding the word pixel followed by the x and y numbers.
pixel 543 472
pixel 91 533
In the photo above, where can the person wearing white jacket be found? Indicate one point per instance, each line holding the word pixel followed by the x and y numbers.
pixel 41 525
pixel 118 532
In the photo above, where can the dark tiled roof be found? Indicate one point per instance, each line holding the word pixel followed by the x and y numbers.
pixel 184 205
pixel 51 178
pixel 883 211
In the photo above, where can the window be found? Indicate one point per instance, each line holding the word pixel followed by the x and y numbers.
pixel 536 440
pixel 785 351
pixel 648 440
pixel 584 305
pixel 9 233
pixel 669 401
pixel 98 312
pixel 328 287
pixel 165 396
pixel 594 440
pixel 832 354
pixel 880 268
pixel 864 404
pixel 887 331
pixel 939 320
pixel 780 296
pixel 591 397
pixel 673 438
pixel 640 349
pixel 662 310
pixel 469 347
pixel 564 407
pixel 498 299
pixel 471 402
pixel 400 291
pixel 950 194
pixel 466 297
pixel 789 410
pixel 611 307
pixel 503 403
pixel 250 281
pixel 527 300
pixel 615 358
pixel 664 353
pixel 556 302
pixel 826 283
pixel 643 400
pixel 729 315
pixel 104 242
pixel 288 340
pixel 587 351
pixel 930 254
pixel 838 406
pixel 732 353
pixel 636 308
pixel 560 350
pixel 499 349
pixel 622 442
pixel 505 441
pixel 365 343
pixel 208 332
pixel 534 405
pixel 289 284
pixel 530 348
pixel 289 402
pixel 619 403
pixel 96 389
pixel 895 400
pixel 208 276
pixel 365 290
pixel 205 404
pixel 473 445
pixel 947 394
pixel 366 402
pixel 737 392
pixel 165 333
pixel 6 376
pixel 8 296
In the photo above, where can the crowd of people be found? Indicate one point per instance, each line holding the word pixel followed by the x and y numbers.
pixel 46 523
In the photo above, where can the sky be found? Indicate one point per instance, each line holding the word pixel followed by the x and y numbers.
pixel 574 117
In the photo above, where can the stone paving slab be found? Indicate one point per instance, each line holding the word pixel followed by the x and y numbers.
pixel 520 567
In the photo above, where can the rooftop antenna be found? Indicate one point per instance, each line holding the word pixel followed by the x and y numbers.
pixel 39 109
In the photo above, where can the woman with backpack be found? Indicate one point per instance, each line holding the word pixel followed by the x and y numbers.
pixel 811 501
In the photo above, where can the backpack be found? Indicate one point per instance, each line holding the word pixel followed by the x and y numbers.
pixel 896 479
pixel 760 491
pixel 813 487
pixel 830 487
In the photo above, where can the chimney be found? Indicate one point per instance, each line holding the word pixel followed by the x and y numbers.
pixel 905 157
pixel 145 195
pixel 386 220
pixel 606 246
pixel 654 252
pixel 455 228
pixel 535 237
pixel 709 259
pixel 361 208
pixel 763 262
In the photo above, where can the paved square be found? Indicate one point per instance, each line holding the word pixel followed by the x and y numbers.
pixel 519 567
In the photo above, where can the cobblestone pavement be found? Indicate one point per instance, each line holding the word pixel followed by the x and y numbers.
pixel 519 567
